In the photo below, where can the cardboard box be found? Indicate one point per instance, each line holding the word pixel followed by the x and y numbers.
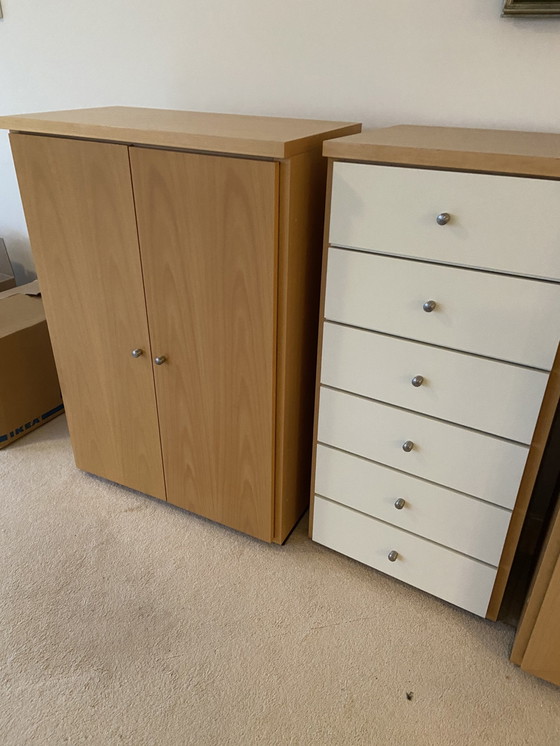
pixel 7 279
pixel 29 390
pixel 6 282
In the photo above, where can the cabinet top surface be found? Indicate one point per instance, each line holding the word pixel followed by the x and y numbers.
pixel 496 151
pixel 269 137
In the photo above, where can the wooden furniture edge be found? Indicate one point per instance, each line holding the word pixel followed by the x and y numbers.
pixel 302 188
pixel 474 162
pixel 281 344
pixel 312 142
pixel 279 209
pixel 535 154
pixel 539 585
pixel 149 330
pixel 328 204
pixel 212 143
pixel 542 655
pixel 544 422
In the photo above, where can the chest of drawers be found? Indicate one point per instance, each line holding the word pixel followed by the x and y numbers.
pixel 438 373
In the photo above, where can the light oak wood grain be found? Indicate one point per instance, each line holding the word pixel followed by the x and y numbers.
pixel 493 151
pixel 538 590
pixel 80 213
pixel 537 644
pixel 542 656
pixel 240 319
pixel 208 237
pixel 320 337
pixel 302 199
pixel 272 137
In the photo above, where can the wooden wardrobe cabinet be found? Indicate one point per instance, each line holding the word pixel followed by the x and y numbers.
pixel 178 255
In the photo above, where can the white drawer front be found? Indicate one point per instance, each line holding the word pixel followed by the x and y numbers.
pixel 467 461
pixel 493 225
pixel 460 580
pixel 494 397
pixel 507 318
pixel 446 517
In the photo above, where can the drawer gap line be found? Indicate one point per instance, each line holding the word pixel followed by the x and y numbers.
pixel 428 416
pixel 405 531
pixel 432 344
pixel 448 169
pixel 414 476
pixel 453 265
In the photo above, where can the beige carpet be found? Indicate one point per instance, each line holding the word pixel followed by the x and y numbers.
pixel 126 621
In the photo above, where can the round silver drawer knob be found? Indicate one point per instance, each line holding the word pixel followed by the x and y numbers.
pixel 393 556
pixel 160 359
pixel 429 306
pixel 443 218
pixel 417 381
pixel 400 503
pixel 137 352
pixel 407 446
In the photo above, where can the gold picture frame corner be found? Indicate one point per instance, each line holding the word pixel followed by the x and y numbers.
pixel 534 8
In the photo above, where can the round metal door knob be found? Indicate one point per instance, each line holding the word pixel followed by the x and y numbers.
pixel 400 503
pixel 443 218
pixel 160 359
pixel 393 556
pixel 407 446
pixel 429 306
pixel 137 352
pixel 417 381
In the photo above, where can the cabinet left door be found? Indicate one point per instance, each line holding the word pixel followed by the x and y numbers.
pixel 78 202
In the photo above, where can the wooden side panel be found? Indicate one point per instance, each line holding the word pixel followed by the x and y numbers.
pixel 549 558
pixel 302 199
pixel 319 352
pixel 544 423
pixel 79 208
pixel 542 657
pixel 208 237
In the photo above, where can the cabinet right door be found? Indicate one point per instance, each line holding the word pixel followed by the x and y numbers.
pixel 208 239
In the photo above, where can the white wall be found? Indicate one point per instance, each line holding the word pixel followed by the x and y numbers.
pixel 382 62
